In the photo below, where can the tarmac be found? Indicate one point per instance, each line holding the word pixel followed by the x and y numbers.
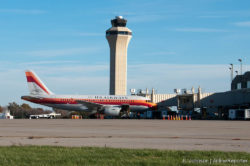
pixel 153 134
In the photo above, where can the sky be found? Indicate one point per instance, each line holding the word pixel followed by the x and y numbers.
pixel 175 44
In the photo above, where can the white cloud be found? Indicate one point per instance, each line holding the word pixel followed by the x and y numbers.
pixel 213 16
pixel 94 79
pixel 47 62
pixel 61 80
pixel 243 24
pixel 79 84
pixel 122 13
pixel 23 11
pixel 62 52
pixel 161 53
pixel 138 17
pixel 91 34
pixel 12 85
pixel 199 30
pixel 166 77
pixel 145 18
pixel 72 70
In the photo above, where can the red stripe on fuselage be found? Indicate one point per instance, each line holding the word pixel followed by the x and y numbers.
pixel 99 101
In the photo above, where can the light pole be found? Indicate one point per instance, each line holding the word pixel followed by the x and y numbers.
pixel 232 71
pixel 240 60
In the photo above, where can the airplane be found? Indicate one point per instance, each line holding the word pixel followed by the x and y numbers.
pixel 111 105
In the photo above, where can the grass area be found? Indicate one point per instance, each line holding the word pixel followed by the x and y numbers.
pixel 49 155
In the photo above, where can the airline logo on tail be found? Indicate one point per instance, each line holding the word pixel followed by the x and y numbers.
pixel 36 86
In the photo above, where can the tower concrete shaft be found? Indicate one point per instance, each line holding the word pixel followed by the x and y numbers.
pixel 118 37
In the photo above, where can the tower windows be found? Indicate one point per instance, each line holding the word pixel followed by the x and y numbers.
pixel 118 33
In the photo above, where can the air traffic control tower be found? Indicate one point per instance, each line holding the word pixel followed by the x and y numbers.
pixel 118 37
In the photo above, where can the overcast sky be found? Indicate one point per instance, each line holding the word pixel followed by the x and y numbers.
pixel 175 44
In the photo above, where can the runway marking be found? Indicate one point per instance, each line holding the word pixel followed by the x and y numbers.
pixel 236 139
pixel 198 144
pixel 146 137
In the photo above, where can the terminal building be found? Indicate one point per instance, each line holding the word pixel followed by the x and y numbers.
pixel 241 81
pixel 207 105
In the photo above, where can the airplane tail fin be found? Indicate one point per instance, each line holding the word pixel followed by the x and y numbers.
pixel 36 86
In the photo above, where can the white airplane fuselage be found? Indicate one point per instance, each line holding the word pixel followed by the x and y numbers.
pixel 71 102
pixel 109 104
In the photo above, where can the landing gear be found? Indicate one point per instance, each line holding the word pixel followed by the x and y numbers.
pixel 125 112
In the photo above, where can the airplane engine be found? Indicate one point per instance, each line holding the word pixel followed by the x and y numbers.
pixel 112 111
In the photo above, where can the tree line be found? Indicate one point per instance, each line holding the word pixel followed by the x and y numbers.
pixel 24 111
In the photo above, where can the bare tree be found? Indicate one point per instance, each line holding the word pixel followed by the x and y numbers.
pixel 24 111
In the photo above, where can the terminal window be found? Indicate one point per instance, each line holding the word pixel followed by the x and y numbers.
pixel 248 84
pixel 239 85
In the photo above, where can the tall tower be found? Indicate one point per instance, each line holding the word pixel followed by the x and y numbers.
pixel 118 37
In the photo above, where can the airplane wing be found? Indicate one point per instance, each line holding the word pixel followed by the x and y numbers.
pixel 89 105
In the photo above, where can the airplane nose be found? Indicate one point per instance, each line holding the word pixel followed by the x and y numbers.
pixel 154 107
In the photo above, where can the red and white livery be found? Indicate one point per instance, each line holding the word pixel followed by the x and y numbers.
pixel 110 104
